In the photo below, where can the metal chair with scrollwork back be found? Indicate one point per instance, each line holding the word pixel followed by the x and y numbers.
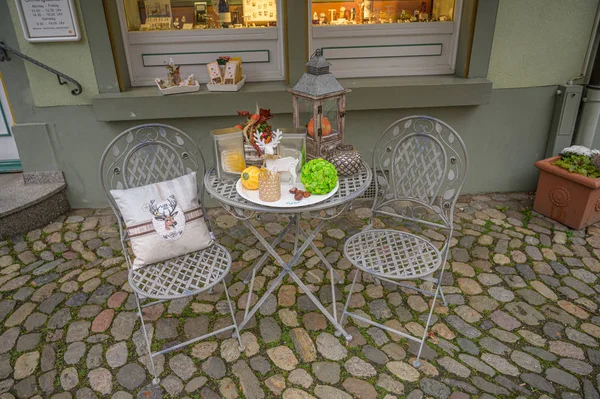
pixel 420 164
pixel 152 153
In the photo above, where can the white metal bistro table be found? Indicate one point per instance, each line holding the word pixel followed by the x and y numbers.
pixel 350 188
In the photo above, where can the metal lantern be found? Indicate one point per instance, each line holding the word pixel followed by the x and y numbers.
pixel 319 104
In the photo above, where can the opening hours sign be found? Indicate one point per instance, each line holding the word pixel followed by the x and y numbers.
pixel 48 20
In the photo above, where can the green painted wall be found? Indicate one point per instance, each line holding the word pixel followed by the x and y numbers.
pixel 71 58
pixel 69 138
pixel 540 42
pixel 500 160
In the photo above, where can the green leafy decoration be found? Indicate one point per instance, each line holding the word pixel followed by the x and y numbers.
pixel 580 164
pixel 319 176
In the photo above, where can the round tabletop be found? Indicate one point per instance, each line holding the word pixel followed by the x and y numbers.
pixel 350 188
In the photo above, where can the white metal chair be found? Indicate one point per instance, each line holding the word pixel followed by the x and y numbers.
pixel 420 165
pixel 152 153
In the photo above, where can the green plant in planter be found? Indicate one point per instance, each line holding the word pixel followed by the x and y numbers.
pixel 581 160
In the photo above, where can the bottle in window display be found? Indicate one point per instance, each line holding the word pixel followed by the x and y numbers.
pixel 367 11
pixel 224 14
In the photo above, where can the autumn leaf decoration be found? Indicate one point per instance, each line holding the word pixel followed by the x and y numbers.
pixel 256 122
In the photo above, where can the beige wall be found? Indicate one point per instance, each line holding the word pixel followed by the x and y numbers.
pixel 540 42
pixel 71 58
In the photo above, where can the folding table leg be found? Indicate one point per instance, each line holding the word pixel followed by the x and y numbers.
pixel 237 330
pixel 319 305
pixel 298 228
pixel 287 269
pixel 321 256
pixel 248 315
pixel 279 238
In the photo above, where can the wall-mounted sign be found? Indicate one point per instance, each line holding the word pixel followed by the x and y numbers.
pixel 48 20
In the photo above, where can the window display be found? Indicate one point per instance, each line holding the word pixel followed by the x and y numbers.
pixel 363 12
pixel 153 15
pixel 196 33
pixel 376 38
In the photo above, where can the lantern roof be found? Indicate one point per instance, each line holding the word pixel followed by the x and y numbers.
pixel 318 81
pixel 318 65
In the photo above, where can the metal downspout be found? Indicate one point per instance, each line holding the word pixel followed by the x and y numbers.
pixel 589 120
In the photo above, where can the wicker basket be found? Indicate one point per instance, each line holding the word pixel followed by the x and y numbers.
pixel 346 159
pixel 269 186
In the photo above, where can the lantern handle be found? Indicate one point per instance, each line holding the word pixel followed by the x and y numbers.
pixel 318 53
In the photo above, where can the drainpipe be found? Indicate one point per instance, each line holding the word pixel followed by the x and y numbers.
pixel 589 121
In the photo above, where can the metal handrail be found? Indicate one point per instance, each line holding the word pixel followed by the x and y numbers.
pixel 4 49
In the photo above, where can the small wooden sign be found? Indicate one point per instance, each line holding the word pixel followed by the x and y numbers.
pixel 48 21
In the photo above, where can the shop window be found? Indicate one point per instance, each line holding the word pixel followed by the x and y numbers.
pixel 195 33
pixel 365 38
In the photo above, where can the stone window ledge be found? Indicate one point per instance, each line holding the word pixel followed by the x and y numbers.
pixel 146 103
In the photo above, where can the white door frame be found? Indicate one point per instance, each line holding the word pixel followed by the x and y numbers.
pixel 9 155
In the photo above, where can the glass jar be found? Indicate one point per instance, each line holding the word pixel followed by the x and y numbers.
pixel 229 153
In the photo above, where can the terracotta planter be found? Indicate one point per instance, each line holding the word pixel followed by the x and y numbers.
pixel 568 198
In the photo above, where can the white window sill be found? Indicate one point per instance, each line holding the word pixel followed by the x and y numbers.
pixel 146 103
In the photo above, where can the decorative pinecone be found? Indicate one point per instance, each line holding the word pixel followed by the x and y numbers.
pixel 596 161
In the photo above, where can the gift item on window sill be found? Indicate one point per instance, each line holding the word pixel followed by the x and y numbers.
pixel 225 74
pixel 174 84
pixel 227 87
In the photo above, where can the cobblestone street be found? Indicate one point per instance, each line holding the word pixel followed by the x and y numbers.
pixel 522 318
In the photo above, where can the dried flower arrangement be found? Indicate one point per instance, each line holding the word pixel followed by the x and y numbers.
pixel 257 122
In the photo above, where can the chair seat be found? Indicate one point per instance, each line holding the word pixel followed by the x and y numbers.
pixel 392 254
pixel 185 275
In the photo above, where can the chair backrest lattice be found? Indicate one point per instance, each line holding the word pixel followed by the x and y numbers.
pixel 421 165
pixel 147 154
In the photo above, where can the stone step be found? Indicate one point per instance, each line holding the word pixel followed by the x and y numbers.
pixel 30 200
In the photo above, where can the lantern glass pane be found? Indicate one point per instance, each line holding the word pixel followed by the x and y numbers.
pixel 329 119
pixel 305 113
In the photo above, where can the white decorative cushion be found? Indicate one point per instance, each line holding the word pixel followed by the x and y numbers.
pixel 164 220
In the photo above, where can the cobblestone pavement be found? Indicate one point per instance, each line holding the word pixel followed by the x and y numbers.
pixel 522 317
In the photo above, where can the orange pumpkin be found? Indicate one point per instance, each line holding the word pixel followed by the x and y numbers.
pixel 326 127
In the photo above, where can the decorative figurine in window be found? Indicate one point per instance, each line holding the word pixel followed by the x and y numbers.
pixel 173 74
